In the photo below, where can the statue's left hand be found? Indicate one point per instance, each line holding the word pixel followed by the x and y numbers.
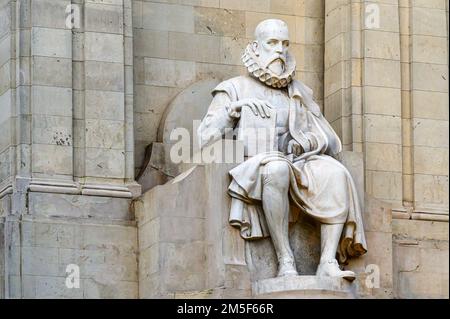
pixel 294 148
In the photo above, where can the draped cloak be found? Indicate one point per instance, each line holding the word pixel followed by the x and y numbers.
pixel 320 186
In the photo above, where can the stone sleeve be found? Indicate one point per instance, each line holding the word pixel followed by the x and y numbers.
pixel 219 116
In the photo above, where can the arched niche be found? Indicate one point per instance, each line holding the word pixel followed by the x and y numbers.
pixel 188 106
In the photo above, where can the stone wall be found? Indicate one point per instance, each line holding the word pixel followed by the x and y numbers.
pixel 66 138
pixel 7 95
pixel 386 94
pixel 4 210
pixel 420 245
pixel 74 96
pixel 426 77
pixel 106 256
pixel 6 91
pixel 177 43
pixel 420 250
pixel 96 234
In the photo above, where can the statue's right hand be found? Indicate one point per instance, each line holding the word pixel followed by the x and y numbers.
pixel 258 107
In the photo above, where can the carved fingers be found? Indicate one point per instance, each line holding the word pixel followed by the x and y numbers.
pixel 258 107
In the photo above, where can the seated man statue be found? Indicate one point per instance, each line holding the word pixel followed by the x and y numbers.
pixel 301 171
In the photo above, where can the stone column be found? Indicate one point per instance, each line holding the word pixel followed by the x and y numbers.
pixel 426 110
pixel 382 102
pixel 363 88
pixel 104 100
pixel 342 75
pixel 7 96
pixel 63 111
pixel 363 102
pixel 50 98
pixel 76 88
pixel 15 135
pixel 7 76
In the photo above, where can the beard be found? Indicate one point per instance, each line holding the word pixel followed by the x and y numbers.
pixel 277 66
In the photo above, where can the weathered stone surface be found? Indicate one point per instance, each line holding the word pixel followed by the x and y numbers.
pixel 51 42
pixel 105 255
pixel 428 21
pixel 431 191
pixel 421 257
pixel 436 77
pixel 195 47
pixel 105 134
pixel 54 101
pixel 382 101
pixel 55 130
pixel 432 105
pixel 104 105
pixel 104 76
pixel 105 163
pixel 103 18
pixel 383 129
pixel 382 45
pixel 60 163
pixel 384 73
pixel 168 17
pixel 383 157
pixel 219 22
pixel 151 43
pixel 104 47
pixel 171 73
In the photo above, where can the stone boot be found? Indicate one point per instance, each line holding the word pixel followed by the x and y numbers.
pixel 286 267
pixel 331 268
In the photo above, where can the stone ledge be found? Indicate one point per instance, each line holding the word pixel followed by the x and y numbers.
pixel 51 205
pixel 127 191
pixel 303 287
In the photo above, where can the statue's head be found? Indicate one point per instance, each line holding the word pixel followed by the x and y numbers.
pixel 267 57
pixel 271 44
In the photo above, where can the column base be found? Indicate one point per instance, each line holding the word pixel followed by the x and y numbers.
pixel 130 190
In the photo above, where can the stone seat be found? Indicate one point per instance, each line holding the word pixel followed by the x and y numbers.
pixel 194 250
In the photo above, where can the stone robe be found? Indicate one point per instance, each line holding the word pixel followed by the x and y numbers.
pixel 320 186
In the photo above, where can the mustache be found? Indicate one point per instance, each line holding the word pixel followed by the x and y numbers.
pixel 276 57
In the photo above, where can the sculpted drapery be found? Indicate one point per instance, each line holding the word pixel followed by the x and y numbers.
pixel 319 185
pixel 298 170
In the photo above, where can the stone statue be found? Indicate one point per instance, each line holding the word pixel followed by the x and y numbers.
pixel 302 171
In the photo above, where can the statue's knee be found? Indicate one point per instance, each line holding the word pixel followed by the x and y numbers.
pixel 337 172
pixel 331 170
pixel 277 174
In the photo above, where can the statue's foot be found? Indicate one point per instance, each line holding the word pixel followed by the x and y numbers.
pixel 287 268
pixel 331 269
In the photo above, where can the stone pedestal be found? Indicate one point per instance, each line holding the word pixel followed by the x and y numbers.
pixel 188 248
pixel 303 287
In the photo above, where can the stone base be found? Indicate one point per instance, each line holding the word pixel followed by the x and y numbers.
pixel 303 287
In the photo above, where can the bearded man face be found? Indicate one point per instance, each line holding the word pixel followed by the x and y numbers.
pixel 271 45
